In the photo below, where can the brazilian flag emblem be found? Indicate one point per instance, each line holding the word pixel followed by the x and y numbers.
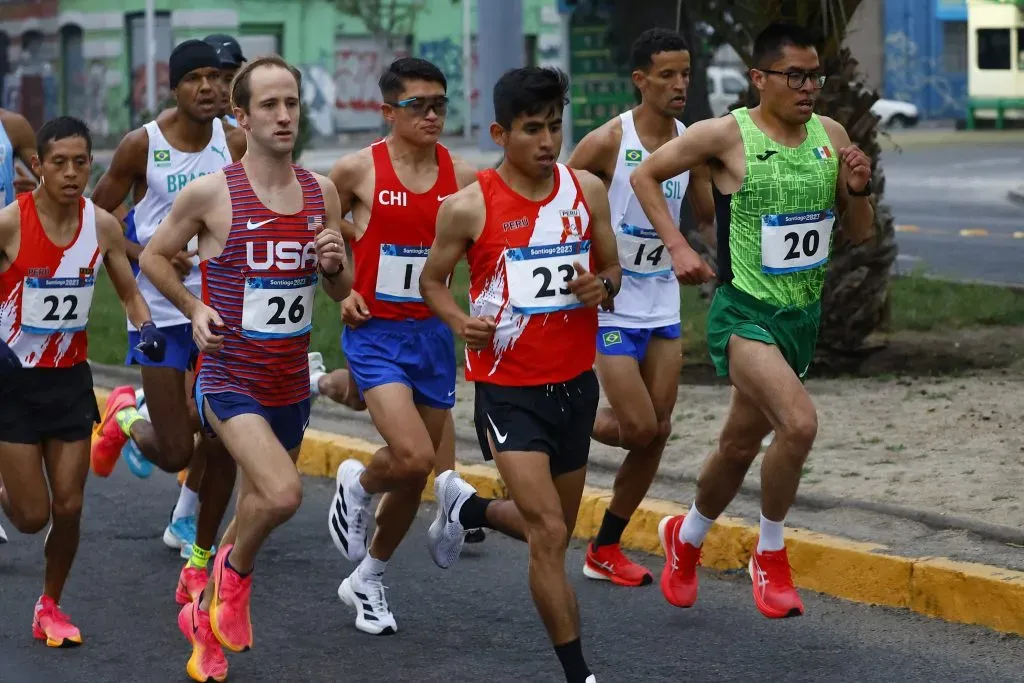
pixel 611 337
pixel 634 156
pixel 162 156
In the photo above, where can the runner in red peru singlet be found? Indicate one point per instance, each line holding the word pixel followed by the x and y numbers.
pixel 52 245
pixel 542 258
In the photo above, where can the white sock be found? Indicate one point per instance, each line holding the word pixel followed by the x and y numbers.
pixel 360 492
pixel 771 535
pixel 695 527
pixel 372 569
pixel 314 382
pixel 188 503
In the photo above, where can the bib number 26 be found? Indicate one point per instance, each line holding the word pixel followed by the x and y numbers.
pixel 278 307
pixel 296 311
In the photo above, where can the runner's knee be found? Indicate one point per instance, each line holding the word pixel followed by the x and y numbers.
pixel 177 448
pixel 67 508
pixel 740 447
pixel 30 519
pixel 548 536
pixel 799 430
pixel 637 431
pixel 664 429
pixel 284 499
pixel 413 462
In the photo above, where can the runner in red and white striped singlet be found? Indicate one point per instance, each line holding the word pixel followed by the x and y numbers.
pixel 542 258
pixel 268 231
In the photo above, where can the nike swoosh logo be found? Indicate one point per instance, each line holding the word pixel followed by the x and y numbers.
pixel 497 435
pixel 451 509
pixel 764 156
pixel 451 393
pixel 252 226
pixel 441 198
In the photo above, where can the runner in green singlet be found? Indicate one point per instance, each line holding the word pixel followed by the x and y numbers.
pixel 782 175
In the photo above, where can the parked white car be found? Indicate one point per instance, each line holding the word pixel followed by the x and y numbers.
pixel 725 84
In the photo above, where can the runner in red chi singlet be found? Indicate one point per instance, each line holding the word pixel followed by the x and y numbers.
pixel 542 258
pixel 268 231
pixel 52 245
pixel 400 356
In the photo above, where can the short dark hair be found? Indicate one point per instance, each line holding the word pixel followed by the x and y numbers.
pixel 653 41
pixel 60 128
pixel 769 43
pixel 399 72
pixel 528 91
pixel 241 87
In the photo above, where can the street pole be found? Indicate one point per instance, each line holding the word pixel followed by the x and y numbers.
pixel 151 59
pixel 566 30
pixel 499 39
pixel 467 69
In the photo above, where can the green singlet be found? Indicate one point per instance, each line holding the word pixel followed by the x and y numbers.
pixel 774 239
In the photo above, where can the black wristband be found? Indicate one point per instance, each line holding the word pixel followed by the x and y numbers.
pixel 866 192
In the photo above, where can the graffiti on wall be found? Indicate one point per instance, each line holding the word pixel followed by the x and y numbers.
pixel 912 75
pixel 358 62
pixel 318 96
pixel 446 54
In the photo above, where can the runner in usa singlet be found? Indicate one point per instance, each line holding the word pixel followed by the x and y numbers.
pixel 519 268
pixel 262 285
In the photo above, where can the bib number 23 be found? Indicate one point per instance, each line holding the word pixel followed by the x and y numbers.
pixel 539 276
pixel 795 242
pixel 278 307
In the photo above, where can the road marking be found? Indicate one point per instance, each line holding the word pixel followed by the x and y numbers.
pixel 906 228
pixel 974 232
pixel 1019 235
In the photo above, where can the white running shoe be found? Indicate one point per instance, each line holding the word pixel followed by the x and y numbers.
pixel 446 534
pixel 317 369
pixel 371 604
pixel 346 519
pixel 3 534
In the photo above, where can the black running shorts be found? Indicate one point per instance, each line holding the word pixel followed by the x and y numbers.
pixel 551 418
pixel 40 404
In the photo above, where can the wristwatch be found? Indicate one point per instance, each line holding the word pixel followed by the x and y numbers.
pixel 609 287
pixel 866 192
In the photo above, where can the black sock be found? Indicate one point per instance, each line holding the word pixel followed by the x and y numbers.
pixel 571 656
pixel 473 514
pixel 611 529
pixel 227 563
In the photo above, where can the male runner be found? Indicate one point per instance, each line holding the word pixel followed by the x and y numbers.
pixel 51 242
pixel 780 169
pixel 17 141
pixel 266 229
pixel 534 234
pixel 156 162
pixel 231 60
pixel 639 347
pixel 400 356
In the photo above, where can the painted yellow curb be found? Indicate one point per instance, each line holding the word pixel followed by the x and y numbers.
pixel 862 572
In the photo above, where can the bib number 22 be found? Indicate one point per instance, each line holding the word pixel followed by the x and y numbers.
pixel 53 314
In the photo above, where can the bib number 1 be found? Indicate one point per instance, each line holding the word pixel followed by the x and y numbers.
pixel 796 241
pixel 50 305
pixel 539 276
pixel 278 307
pixel 398 272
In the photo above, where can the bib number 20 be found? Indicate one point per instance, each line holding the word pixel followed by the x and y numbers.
pixel 565 271
pixel 810 244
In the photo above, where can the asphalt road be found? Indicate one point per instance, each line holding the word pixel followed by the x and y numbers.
pixel 473 622
pixel 951 207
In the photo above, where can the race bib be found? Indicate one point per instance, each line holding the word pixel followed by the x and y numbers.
pixel 50 305
pixel 641 252
pixel 539 276
pixel 398 272
pixel 791 242
pixel 278 307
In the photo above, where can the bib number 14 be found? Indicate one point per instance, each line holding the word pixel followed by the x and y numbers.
pixel 796 241
pixel 641 252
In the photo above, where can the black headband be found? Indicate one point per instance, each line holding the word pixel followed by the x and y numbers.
pixel 189 56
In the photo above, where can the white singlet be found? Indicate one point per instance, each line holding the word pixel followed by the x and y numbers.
pixel 168 171
pixel 649 296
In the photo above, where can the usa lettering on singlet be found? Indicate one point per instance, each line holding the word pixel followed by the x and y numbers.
pixel 168 171
pixel 46 294
pixel 262 285
pixel 649 296
pixel 392 250
pixel 6 168
pixel 520 268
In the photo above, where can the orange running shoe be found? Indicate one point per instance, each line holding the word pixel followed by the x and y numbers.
pixel 191 583
pixel 679 578
pixel 607 563
pixel 774 593
pixel 53 626
pixel 229 607
pixel 207 662
pixel 109 438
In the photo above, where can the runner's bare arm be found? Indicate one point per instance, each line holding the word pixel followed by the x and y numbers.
pixel 606 255
pixel 185 221
pixel 111 242
pixel 22 137
pixel 126 167
pixel 465 172
pixel 237 143
pixel 346 174
pixel 854 172
pixel 597 150
pixel 459 220
pixel 10 223
pixel 702 202
pixel 330 245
